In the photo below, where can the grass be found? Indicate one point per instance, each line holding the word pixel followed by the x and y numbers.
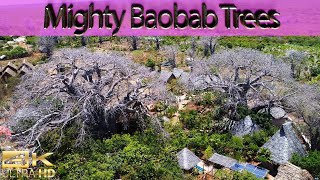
pixel 6 89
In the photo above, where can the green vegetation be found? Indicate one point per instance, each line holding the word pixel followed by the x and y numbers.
pixel 7 88
pixel 147 154
pixel 151 64
pixel 230 175
pixel 17 52
pixel 138 156
pixel 311 162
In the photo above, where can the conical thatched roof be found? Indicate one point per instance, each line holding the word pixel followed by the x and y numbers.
pixel 222 160
pixel 284 143
pixel 187 159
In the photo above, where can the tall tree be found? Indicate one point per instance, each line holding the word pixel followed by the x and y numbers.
pixel 99 94
pixel 46 44
pixel 248 78
pixel 209 45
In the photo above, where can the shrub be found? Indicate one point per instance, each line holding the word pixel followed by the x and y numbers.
pixel 311 162
pixel 17 52
pixel 170 111
pixel 151 64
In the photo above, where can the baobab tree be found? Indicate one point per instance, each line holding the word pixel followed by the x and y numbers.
pixel 306 103
pixel 248 78
pixel 101 94
pixel 171 53
pixel 295 59
pixel 134 42
pixel 46 44
pixel 209 45
pixel 157 40
pixel 192 51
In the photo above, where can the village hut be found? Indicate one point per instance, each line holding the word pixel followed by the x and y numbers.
pixel 187 159
pixel 166 76
pixel 289 171
pixel 12 67
pixel 244 127
pixel 7 73
pixel 284 143
pixel 25 68
pixel 223 161
pixel 177 72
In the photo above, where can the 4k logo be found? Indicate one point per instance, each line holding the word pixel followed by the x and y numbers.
pixel 21 159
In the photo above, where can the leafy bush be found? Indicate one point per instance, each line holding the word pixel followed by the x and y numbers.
pixel 170 111
pixel 222 174
pixel 140 156
pixel 175 87
pixel 192 119
pixel 151 64
pixel 6 38
pixel 7 88
pixel 17 52
pixel 311 162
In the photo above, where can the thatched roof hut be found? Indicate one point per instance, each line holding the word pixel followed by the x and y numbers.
pixel 24 70
pixel 284 143
pixel 166 76
pixel 7 73
pixel 12 67
pixel 25 67
pixel 177 72
pixel 289 171
pixel 27 64
pixel 187 159
pixel 222 160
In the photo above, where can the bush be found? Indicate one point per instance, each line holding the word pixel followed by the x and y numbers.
pixel 151 64
pixel 175 87
pixel 17 52
pixel 6 38
pixel 170 111
pixel 6 89
pixel 138 156
pixel 311 162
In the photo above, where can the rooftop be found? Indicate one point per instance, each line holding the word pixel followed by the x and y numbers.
pixel 187 159
pixel 284 143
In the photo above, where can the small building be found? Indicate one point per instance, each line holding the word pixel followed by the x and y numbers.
pixel 25 67
pixel 255 170
pixel 187 159
pixel 184 77
pixel 221 160
pixel 7 73
pixel 12 67
pixel 234 165
pixel 166 76
pixel 177 72
pixel 289 171
pixel 284 143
